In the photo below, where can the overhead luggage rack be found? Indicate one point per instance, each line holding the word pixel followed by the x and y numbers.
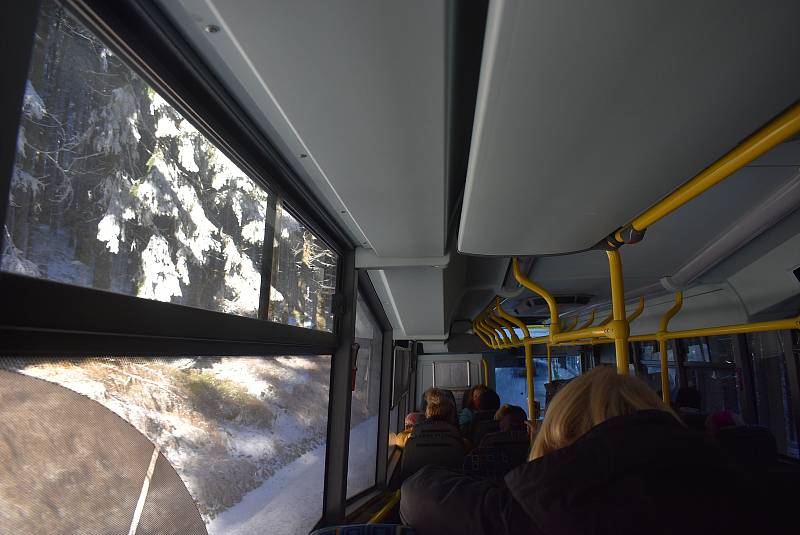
pixel 496 327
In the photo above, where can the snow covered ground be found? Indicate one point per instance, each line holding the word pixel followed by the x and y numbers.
pixel 227 425
pixel 362 456
pixel 290 502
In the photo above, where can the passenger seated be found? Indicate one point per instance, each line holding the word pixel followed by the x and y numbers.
pixel 441 409
pixel 411 419
pixel 753 447
pixel 510 416
pixel 435 391
pixel 609 458
pixel 720 420
pixel 483 421
pixel 471 405
pixel 503 450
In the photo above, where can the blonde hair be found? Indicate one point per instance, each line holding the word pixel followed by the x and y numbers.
pixel 589 400
pixel 440 408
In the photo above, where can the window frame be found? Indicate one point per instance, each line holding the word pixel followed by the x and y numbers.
pixel 55 319
pixel 370 297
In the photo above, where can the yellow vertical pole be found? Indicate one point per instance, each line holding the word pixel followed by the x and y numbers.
pixel 549 366
pixel 621 329
pixel 662 344
pixel 529 372
pixel 662 349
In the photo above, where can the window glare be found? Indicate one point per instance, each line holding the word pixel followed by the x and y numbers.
pixel 113 189
pixel 363 452
pixel 303 276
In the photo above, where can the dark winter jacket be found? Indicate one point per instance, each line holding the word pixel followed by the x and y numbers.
pixel 643 473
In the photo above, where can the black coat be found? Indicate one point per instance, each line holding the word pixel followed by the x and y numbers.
pixel 643 473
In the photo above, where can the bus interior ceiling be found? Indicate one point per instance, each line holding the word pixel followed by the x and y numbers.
pixel 550 167
pixel 443 139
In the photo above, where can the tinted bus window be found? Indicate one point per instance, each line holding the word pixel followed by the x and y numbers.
pixel 773 396
pixel 246 435
pixel 650 351
pixel 363 454
pixel 511 384
pixel 303 276
pixel 717 387
pixel 113 188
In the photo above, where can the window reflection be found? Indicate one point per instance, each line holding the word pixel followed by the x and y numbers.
pixel 303 276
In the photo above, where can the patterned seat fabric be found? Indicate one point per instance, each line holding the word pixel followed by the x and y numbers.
pixel 498 454
pixel 431 449
pixel 366 529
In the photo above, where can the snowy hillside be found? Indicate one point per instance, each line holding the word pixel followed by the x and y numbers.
pixel 227 425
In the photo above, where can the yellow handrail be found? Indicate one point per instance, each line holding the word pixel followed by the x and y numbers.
pixel 488 320
pixel 498 343
pixel 571 326
pixel 774 133
pixel 386 509
pixel 532 286
pixel 479 326
pixel 741 328
pixel 669 314
pixel 588 322
pixel 620 321
pixel 506 325
pixel 480 334
pixel 513 319
pixel 638 311
pixel 485 372
pixel 529 372
pixel 662 344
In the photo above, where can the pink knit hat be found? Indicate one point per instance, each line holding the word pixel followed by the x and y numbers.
pixel 413 418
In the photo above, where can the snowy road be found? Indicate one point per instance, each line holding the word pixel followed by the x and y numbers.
pixel 290 502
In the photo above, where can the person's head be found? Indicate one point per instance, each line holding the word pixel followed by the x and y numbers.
pixel 426 396
pixel 477 392
pixel 488 400
pixel 510 416
pixel 413 418
pixel 441 409
pixel 721 420
pixel 590 400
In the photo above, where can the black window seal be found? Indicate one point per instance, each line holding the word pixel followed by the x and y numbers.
pixel 18 25
pixel 47 318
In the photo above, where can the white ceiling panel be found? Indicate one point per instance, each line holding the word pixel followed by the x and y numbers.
pixel 667 245
pixel 589 112
pixel 414 298
pixel 359 88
